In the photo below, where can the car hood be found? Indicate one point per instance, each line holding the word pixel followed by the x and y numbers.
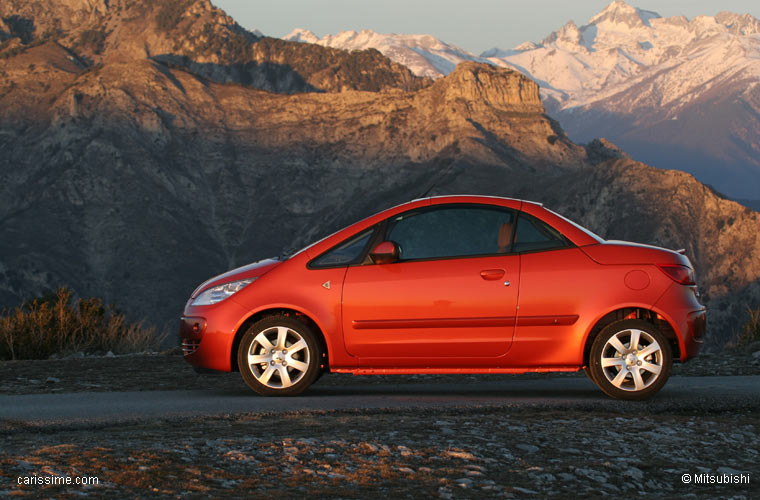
pixel 625 252
pixel 253 270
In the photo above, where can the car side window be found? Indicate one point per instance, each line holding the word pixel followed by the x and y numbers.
pixel 344 253
pixel 533 234
pixel 443 232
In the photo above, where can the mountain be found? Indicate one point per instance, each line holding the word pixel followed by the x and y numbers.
pixel 133 178
pixel 425 55
pixel 195 35
pixel 672 92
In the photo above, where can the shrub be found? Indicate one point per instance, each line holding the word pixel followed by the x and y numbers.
pixel 750 332
pixel 54 324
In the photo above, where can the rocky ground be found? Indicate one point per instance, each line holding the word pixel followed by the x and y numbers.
pixel 444 453
pixel 550 451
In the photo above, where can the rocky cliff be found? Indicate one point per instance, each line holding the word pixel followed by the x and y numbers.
pixel 134 179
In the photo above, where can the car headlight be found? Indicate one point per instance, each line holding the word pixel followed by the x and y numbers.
pixel 219 293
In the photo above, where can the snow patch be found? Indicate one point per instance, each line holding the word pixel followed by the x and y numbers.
pixel 424 55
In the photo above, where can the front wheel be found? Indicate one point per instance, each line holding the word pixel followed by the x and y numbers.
pixel 279 356
pixel 630 359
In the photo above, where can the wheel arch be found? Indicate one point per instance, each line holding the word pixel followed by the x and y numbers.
pixel 633 312
pixel 277 311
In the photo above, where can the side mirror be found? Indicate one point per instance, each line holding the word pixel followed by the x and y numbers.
pixel 385 252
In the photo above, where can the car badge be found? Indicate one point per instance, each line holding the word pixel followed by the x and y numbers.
pixel 326 284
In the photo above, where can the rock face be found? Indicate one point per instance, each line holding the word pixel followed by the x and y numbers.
pixel 486 87
pixel 135 180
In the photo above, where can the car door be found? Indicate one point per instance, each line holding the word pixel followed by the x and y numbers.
pixel 556 280
pixel 451 294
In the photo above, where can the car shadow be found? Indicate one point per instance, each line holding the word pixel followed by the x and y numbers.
pixel 446 390
pixel 564 389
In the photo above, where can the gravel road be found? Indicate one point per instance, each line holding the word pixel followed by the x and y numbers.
pixel 683 393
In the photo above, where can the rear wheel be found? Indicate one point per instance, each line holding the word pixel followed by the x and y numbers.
pixel 279 356
pixel 630 359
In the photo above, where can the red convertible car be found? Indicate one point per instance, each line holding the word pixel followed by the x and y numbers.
pixel 454 284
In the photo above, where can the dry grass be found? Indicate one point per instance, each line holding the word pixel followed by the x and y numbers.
pixel 53 324
pixel 749 333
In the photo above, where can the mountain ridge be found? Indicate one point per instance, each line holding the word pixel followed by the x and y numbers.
pixel 634 77
pixel 638 76
pixel 424 55
pixel 134 179
pixel 197 35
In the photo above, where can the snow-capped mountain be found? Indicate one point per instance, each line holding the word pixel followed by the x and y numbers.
pixel 623 45
pixel 425 55
pixel 673 92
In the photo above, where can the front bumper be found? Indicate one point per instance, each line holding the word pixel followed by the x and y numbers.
pixel 191 332
pixel 207 334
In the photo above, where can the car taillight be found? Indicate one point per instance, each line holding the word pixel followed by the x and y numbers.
pixel 680 274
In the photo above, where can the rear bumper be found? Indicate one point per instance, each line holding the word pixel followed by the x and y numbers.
pixel 680 307
pixel 695 333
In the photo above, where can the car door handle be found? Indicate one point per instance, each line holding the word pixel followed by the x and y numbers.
pixel 492 274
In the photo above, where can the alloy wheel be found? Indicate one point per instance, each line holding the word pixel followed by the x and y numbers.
pixel 631 360
pixel 278 357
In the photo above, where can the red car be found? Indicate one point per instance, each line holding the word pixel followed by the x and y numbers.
pixel 454 284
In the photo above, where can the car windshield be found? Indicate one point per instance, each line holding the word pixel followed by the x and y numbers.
pixel 293 251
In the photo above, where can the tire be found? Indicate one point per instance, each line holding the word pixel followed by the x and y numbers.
pixel 587 371
pixel 630 373
pixel 279 356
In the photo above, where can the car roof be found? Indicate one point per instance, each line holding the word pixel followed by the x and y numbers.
pixel 454 198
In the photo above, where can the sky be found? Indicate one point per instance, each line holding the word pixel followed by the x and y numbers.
pixel 474 25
